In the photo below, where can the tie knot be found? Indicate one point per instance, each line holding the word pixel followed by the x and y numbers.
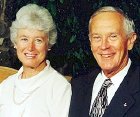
pixel 107 83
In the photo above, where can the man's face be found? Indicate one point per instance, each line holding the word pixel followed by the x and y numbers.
pixel 109 42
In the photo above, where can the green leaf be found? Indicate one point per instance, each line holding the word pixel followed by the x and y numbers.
pixel 138 12
pixel 51 0
pixel 69 21
pixel 52 8
pixel 75 20
pixel 73 38
pixel 61 1
pixel 77 55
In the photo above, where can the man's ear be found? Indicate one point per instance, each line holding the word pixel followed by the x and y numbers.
pixel 131 40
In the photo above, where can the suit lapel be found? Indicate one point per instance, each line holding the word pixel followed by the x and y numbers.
pixel 123 98
pixel 120 103
pixel 88 86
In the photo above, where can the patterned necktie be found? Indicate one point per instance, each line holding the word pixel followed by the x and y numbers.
pixel 101 102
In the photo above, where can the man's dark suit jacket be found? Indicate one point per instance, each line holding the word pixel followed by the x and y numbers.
pixel 125 103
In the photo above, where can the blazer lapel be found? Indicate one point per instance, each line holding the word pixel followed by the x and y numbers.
pixel 120 103
pixel 123 98
pixel 88 92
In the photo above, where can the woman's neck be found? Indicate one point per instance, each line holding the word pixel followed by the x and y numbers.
pixel 29 72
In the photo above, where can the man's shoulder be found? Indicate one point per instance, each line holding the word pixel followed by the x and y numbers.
pixel 133 74
pixel 86 78
pixel 135 66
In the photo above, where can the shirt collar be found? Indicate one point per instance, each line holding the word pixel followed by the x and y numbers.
pixel 118 78
pixel 35 81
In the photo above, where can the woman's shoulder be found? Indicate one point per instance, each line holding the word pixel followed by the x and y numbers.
pixel 59 77
pixel 9 80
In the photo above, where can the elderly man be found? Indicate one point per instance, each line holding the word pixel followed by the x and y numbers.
pixel 113 91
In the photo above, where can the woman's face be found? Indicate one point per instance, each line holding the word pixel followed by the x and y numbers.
pixel 32 46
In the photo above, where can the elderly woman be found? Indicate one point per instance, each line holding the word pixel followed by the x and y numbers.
pixel 37 90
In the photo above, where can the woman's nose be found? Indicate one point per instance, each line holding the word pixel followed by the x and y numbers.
pixel 31 46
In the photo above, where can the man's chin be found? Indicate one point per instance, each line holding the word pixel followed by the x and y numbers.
pixel 106 66
pixel 107 69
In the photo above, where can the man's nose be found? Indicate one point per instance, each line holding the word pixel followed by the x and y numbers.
pixel 104 43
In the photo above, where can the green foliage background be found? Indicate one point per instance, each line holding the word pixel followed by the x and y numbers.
pixel 71 55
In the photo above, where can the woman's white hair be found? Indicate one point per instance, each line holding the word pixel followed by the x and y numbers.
pixel 34 17
pixel 129 25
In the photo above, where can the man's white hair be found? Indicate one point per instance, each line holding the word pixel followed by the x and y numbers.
pixel 129 25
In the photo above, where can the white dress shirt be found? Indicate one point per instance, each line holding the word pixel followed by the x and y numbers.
pixel 46 94
pixel 116 80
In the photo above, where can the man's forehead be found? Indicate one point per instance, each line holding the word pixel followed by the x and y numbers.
pixel 107 19
pixel 107 15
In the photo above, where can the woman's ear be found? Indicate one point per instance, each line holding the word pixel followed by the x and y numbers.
pixel 49 49
pixel 131 41
pixel 15 46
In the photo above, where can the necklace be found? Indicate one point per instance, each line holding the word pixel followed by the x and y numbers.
pixel 26 98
